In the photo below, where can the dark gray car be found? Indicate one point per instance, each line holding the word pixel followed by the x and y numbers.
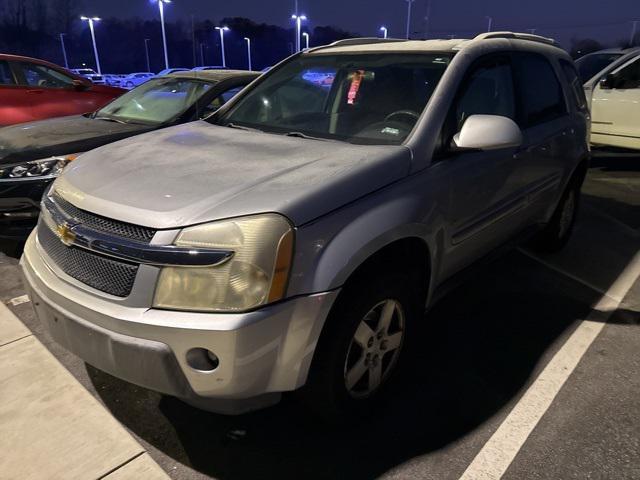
pixel 294 239
pixel 33 154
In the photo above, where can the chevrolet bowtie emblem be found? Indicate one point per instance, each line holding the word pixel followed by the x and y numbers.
pixel 66 234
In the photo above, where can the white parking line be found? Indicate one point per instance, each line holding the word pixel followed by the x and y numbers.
pixel 503 446
pixel 563 272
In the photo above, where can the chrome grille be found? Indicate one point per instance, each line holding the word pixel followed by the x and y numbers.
pixel 114 277
pixel 103 224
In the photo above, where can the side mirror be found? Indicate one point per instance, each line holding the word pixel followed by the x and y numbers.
pixel 608 82
pixel 80 86
pixel 488 132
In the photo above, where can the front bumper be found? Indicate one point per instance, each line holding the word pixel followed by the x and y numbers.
pixel 261 353
pixel 20 206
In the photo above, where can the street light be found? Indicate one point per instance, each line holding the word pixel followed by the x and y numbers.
pixel 93 37
pixel 146 51
pixel 384 31
pixel 248 40
pixel 164 34
pixel 64 51
pixel 306 39
pixel 409 2
pixel 222 30
pixel 299 19
pixel 490 23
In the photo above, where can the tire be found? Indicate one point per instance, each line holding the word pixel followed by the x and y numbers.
pixel 341 354
pixel 129 85
pixel 557 232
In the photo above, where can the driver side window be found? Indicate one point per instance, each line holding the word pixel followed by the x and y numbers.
pixel 44 77
pixel 629 76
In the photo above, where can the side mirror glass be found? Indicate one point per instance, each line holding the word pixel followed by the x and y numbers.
pixel 608 82
pixel 80 86
pixel 488 132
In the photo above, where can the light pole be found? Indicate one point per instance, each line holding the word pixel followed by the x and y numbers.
pixel 93 37
pixel 384 31
pixel 164 34
pixel 248 40
pixel 298 19
pixel 64 51
pixel 490 19
pixel 409 2
pixel 202 53
pixel 306 39
pixel 146 51
pixel 633 32
pixel 222 30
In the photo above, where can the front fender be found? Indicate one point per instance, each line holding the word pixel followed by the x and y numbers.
pixel 331 248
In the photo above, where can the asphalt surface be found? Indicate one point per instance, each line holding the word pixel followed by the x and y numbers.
pixel 483 346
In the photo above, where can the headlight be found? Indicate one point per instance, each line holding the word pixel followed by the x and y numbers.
pixel 255 275
pixel 45 168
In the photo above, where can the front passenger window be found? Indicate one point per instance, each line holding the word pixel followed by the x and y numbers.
pixel 488 91
pixel 44 77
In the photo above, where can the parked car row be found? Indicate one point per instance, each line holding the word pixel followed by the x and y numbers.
pixel 132 80
pixel 292 239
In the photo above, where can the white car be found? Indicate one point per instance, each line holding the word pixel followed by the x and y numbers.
pixel 614 96
pixel 113 79
pixel 135 79
pixel 90 74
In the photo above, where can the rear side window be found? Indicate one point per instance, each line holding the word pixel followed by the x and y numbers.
pixel 539 90
pixel 488 90
pixel 6 77
pixel 573 79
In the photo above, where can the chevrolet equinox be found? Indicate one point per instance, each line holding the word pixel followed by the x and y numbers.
pixel 294 239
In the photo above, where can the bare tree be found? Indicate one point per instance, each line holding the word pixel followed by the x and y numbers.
pixel 65 13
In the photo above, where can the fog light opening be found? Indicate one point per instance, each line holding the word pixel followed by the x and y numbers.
pixel 202 360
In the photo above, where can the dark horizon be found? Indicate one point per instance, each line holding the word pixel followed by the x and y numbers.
pixel 562 21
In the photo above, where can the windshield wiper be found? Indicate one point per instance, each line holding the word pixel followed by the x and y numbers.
pixel 242 127
pixel 308 137
pixel 110 119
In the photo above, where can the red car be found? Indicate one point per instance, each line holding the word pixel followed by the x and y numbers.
pixel 33 89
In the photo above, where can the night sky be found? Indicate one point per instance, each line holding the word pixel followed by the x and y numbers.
pixel 606 21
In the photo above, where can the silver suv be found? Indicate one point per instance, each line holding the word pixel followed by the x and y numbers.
pixel 293 239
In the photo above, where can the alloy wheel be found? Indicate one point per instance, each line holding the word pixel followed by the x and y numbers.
pixel 374 348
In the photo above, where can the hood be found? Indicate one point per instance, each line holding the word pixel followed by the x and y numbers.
pixel 199 172
pixel 60 136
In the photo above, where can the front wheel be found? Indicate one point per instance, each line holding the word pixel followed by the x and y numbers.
pixel 129 84
pixel 361 346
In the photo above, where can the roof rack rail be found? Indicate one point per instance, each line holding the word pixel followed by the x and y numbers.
pixel 519 36
pixel 358 41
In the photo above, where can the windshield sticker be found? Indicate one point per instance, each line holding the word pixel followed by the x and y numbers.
pixel 390 131
pixel 356 80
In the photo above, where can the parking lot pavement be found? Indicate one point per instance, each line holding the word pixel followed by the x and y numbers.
pixel 50 427
pixel 484 345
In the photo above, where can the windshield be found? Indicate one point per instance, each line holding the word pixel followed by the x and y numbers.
pixel 591 65
pixel 86 72
pixel 364 98
pixel 156 101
